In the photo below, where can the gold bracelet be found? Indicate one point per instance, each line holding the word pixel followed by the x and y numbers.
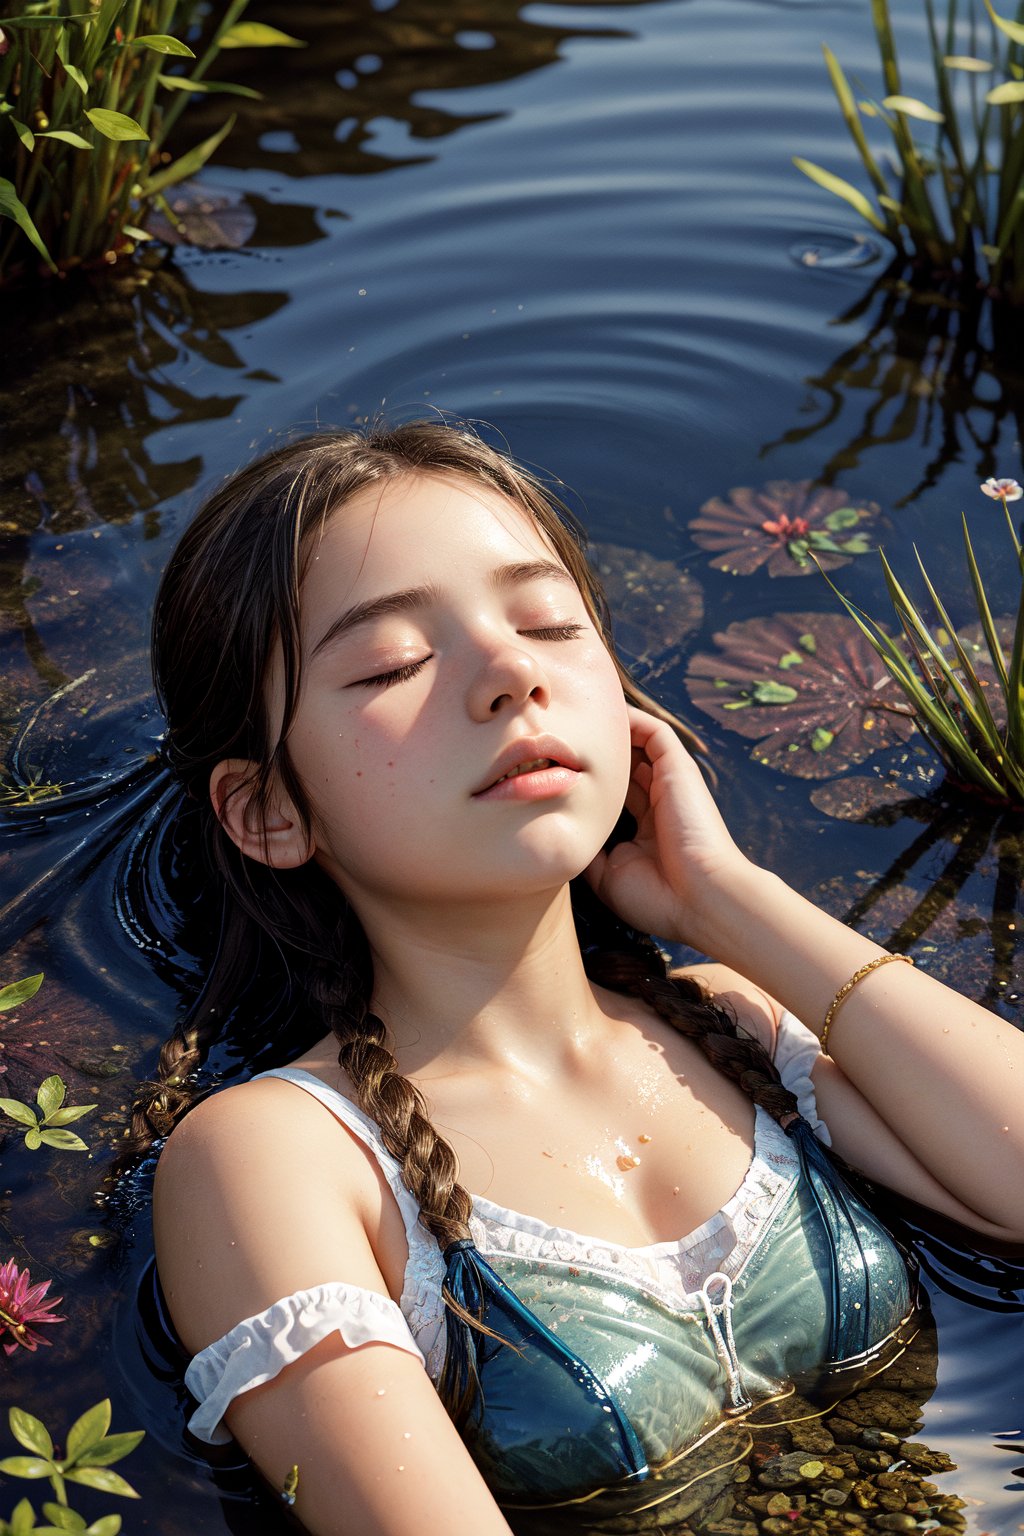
pixel 847 988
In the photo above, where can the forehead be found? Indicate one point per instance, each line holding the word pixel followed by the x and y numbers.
pixel 420 529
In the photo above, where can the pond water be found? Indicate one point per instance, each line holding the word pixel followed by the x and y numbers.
pixel 578 225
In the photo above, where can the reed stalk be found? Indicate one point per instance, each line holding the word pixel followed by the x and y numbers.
pixel 88 95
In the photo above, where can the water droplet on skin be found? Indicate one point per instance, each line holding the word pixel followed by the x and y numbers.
pixel 676 1190
pixel 946 1030
pixel 381 1391
pixel 401 1469
pixel 407 1436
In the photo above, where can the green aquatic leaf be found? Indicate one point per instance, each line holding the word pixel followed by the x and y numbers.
pixel 103 1479
pixel 14 1109
pixel 88 1430
pixel 69 1114
pixel 66 136
pixel 24 133
pixel 1013 29
pixel 25 1466
pixel 187 164
pixel 808 643
pixel 34 1139
pixel 822 739
pixel 842 517
pixel 18 992
pixel 791 659
pixel 159 42
pixel 117 126
pixel 50 1095
pixel 113 1447
pixel 859 544
pixel 30 1432
pixel 64 1141
pixel 773 693
pixel 256 34
pixel 1006 95
pixel 840 188
pixel 213 87
pixel 11 207
pixel 967 62
pixel 910 106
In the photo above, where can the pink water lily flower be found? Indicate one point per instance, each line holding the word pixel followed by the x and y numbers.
pixel 22 1306
pixel 1002 490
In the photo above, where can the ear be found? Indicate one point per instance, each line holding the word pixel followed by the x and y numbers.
pixel 273 836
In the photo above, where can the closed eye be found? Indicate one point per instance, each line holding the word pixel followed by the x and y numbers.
pixel 387 679
pixel 554 632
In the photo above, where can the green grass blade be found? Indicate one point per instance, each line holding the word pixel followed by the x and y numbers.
pixel 852 118
pixel 995 649
pixel 843 189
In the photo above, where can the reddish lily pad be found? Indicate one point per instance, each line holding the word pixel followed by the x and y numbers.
pixel 655 606
pixel 203 216
pixel 807 687
pixel 781 526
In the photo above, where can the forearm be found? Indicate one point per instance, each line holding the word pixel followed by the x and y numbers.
pixel 943 1073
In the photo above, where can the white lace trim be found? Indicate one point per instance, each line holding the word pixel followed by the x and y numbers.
pixel 258 1348
pixel 672 1272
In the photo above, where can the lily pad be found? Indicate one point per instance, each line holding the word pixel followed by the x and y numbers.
pixel 204 216
pixel 655 606
pixel 813 717
pixel 781 526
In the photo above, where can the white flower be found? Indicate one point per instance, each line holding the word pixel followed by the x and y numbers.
pixel 1002 490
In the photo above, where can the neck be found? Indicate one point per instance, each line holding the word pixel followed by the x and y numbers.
pixel 483 988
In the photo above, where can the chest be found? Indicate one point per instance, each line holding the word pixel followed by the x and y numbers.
pixel 640 1150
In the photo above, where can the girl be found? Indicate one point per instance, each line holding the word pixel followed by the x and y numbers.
pixel 389 683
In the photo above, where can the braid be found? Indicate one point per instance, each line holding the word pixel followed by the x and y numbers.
pixel 690 1009
pixel 429 1166
pixel 163 1099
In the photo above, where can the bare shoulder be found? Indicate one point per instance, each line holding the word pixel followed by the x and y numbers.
pixel 755 1011
pixel 260 1192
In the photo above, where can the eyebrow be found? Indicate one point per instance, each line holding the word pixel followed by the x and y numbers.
pixel 503 579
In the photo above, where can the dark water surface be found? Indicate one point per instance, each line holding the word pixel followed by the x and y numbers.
pixel 580 225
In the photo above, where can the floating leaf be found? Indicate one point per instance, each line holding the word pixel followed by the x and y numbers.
pixel 88 1430
pixel 15 1110
pixel 64 1141
pixel 656 606
pixel 775 526
pixel 842 691
pixel 50 1095
pixel 773 693
pixel 200 215
pixel 103 1479
pixel 861 796
pixel 791 659
pixel 18 992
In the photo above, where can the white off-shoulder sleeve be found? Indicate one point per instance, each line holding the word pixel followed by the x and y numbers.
pixel 796 1051
pixel 258 1348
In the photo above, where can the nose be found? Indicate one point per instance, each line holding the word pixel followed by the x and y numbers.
pixel 508 678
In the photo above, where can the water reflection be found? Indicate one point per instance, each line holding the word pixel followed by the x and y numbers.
pixel 918 365
pixel 367 64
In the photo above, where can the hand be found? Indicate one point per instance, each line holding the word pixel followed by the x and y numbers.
pixel 662 881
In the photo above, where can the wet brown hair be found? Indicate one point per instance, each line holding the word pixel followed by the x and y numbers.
pixel 229 596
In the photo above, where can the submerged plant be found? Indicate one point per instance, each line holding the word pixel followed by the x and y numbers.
pixel 23 1310
pixel 88 98
pixel 974 722
pixel 956 202
pixel 60 1518
pixel 88 1454
pixel 46 1124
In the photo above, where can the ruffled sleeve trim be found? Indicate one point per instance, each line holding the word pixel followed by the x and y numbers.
pixel 258 1348
pixel 796 1051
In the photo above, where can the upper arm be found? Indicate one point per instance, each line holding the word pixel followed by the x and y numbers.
pixel 260 1192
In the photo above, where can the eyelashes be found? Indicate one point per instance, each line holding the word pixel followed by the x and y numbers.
pixel 406 673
